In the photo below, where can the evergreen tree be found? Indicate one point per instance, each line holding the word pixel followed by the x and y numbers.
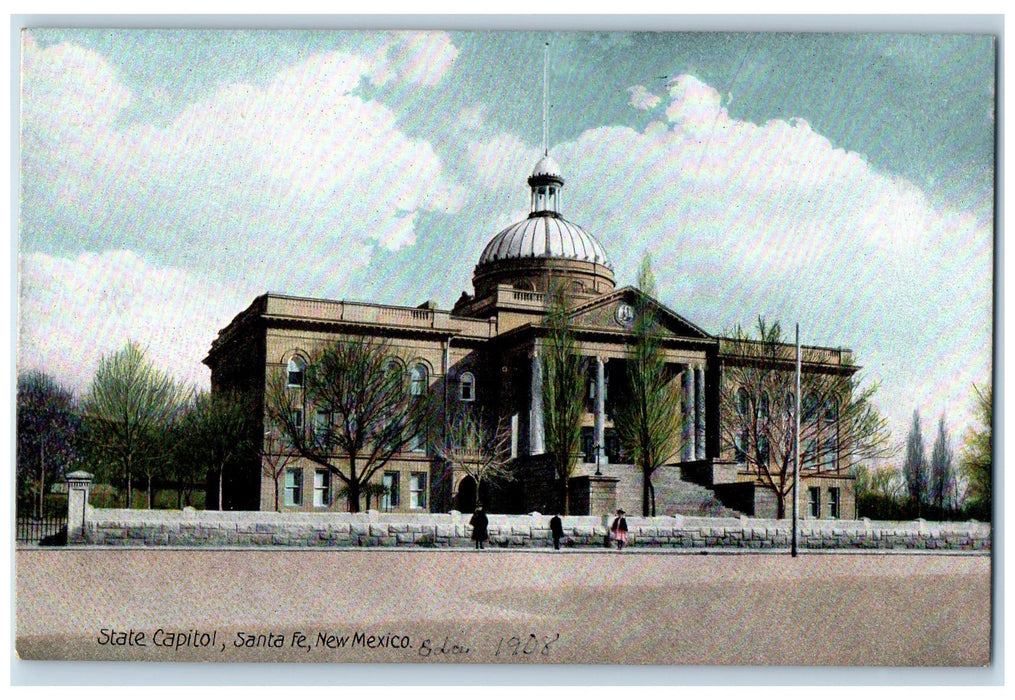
pixel 942 476
pixel 915 466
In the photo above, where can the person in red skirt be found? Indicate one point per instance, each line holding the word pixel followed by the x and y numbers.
pixel 619 529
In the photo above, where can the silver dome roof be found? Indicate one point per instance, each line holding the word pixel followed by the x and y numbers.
pixel 544 236
pixel 547 166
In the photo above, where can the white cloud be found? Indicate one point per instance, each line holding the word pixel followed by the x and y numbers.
pixel 300 172
pixel 744 219
pixel 642 99
pixel 694 105
pixel 75 310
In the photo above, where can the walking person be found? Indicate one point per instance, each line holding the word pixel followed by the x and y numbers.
pixel 619 529
pixel 556 530
pixel 479 523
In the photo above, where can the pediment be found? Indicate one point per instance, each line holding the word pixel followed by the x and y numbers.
pixel 615 312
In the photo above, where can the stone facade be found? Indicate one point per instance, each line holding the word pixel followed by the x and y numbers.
pixel 189 528
pixel 497 339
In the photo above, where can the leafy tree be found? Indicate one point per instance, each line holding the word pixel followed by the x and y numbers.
pixel 128 410
pixel 366 413
pixel 915 467
pixel 839 423
pixel 977 455
pixel 942 475
pixel 648 415
pixel 48 430
pixel 564 373
pixel 222 429
pixel 472 443
pixel 880 492
pixel 184 471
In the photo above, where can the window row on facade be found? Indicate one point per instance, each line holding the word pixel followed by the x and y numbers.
pixel 419 378
pixel 829 408
pixel 323 495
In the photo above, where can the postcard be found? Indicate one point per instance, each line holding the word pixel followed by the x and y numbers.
pixel 609 348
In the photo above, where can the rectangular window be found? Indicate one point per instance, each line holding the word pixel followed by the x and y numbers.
pixel 417 491
pixel 389 500
pixel 614 450
pixel 830 457
pixel 322 488
pixel 740 447
pixel 321 426
pixel 417 443
pixel 298 418
pixel 588 444
pixel 293 487
pixel 814 498
pixel 810 453
pixel 833 502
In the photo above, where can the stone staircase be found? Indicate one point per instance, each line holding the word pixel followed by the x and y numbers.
pixel 685 498
pixel 674 495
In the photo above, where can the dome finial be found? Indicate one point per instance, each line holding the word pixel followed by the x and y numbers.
pixel 546 61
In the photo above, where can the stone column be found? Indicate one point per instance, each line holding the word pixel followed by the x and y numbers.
pixel 536 407
pixel 687 413
pixel 79 485
pixel 601 410
pixel 699 412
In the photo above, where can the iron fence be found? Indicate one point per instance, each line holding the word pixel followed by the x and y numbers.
pixel 39 530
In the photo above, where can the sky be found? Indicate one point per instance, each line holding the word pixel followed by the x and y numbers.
pixel 844 182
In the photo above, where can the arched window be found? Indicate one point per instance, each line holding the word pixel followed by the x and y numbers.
pixel 790 403
pixel 467 387
pixel 418 379
pixel 743 402
pixel 763 407
pixel 296 371
pixel 810 407
pixel 831 410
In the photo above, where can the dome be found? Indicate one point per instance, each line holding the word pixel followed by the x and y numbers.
pixel 544 236
pixel 547 166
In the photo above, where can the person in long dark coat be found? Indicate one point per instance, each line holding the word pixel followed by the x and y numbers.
pixel 479 523
pixel 556 531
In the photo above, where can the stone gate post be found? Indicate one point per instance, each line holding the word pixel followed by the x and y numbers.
pixel 79 485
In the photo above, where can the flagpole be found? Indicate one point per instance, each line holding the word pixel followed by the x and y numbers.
pixel 796 447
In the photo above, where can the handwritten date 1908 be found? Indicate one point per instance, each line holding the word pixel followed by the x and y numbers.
pixel 525 645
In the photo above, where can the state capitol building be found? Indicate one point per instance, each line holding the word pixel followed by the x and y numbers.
pixel 486 350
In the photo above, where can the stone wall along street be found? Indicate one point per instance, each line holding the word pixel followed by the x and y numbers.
pixel 109 527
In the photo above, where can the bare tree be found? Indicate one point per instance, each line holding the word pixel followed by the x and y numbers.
pixel 276 456
pixel 47 441
pixel 648 414
pixel 839 422
pixel 564 373
pixel 366 411
pixel 128 409
pixel 474 444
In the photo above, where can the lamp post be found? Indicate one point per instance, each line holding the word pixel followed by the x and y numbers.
pixel 596 448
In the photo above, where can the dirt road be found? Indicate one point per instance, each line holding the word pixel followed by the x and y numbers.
pixel 502 606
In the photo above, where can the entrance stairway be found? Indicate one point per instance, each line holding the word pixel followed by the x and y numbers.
pixel 685 498
pixel 674 495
